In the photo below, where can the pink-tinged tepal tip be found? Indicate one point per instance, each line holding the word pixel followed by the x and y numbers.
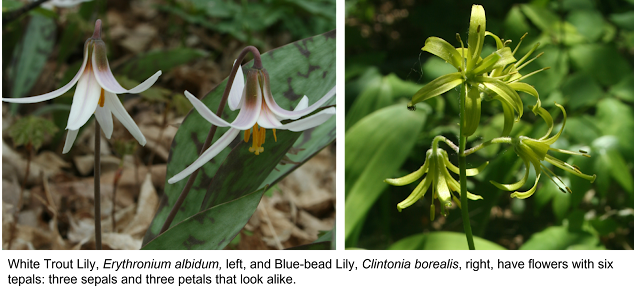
pixel 97 33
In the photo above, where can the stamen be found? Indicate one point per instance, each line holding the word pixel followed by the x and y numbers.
pixel 274 135
pixel 247 135
pixel 551 175
pixel 520 43
pixel 532 59
pixel 102 98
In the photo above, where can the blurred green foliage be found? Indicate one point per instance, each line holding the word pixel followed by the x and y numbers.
pixel 589 46
pixel 250 21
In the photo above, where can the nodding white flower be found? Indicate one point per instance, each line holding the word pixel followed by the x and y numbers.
pixel 534 152
pixel 438 178
pixel 258 112
pixel 95 93
pixel 61 3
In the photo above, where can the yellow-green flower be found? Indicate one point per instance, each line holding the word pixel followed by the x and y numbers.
pixel 493 77
pixel 442 183
pixel 534 152
pixel 472 71
pixel 510 75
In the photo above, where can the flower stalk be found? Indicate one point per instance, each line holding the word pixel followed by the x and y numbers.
pixel 257 63
pixel 464 202
pixel 97 186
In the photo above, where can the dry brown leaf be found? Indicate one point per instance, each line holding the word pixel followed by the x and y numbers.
pixel 146 208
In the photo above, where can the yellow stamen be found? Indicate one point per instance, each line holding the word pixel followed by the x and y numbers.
pixel 274 135
pixel 259 136
pixel 102 98
pixel 247 134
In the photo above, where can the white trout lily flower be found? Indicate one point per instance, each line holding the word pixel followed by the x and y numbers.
pixel 258 112
pixel 95 93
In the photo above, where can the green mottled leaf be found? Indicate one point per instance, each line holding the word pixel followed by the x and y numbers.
pixel 306 67
pixel 334 236
pixel 442 241
pixel 209 229
pixel 243 172
pixel 558 238
pixel 31 54
pixel 147 64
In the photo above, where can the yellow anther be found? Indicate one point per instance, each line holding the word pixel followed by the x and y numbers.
pixel 247 134
pixel 259 135
pixel 102 98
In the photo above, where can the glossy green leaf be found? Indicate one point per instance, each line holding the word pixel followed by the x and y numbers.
pixel 616 118
pixel 558 238
pixel 624 90
pixel 375 148
pixel 541 17
pixel 145 65
pixel 31 53
pixel 589 23
pixel 442 241
pixel 374 97
pixel 601 61
pixel 604 226
pixel 209 229
pixel 624 20
pixel 610 162
pixel 306 67
pixel 581 90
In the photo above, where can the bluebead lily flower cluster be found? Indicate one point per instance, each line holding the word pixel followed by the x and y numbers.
pixel 494 77
pixel 442 183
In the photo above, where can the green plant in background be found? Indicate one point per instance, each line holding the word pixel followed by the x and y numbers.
pixel 478 77
pixel 248 21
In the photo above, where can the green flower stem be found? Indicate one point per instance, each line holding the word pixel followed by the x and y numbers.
pixel 501 140
pixel 463 170
pixel 447 141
